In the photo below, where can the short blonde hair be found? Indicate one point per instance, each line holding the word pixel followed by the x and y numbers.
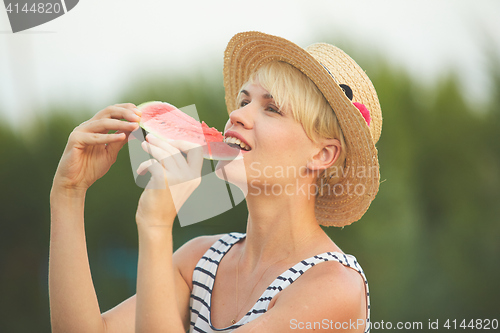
pixel 293 90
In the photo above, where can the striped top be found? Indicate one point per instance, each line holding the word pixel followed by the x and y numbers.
pixel 206 269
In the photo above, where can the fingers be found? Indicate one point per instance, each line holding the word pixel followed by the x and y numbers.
pixel 182 145
pixel 126 111
pixel 143 167
pixel 97 138
pixel 194 153
pixel 179 145
pixel 158 175
pixel 94 132
pixel 169 152
pixel 151 165
pixel 164 151
pixel 105 125
pixel 169 158
pixel 172 159
pixel 115 147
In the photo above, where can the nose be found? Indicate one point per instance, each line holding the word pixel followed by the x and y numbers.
pixel 242 116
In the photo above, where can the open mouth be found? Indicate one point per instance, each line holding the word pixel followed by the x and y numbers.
pixel 236 143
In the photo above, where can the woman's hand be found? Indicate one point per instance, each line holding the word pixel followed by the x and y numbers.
pixel 91 151
pixel 173 179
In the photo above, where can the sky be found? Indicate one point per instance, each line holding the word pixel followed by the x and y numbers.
pixel 88 56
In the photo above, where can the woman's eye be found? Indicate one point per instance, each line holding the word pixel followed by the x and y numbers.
pixel 273 109
pixel 243 103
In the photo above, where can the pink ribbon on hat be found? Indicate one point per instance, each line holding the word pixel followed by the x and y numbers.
pixel 364 112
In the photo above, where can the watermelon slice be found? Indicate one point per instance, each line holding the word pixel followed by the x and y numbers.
pixel 167 122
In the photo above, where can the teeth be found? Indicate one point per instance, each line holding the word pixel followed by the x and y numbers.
pixel 244 146
pixel 234 140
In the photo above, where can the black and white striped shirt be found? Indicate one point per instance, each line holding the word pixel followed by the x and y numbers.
pixel 206 269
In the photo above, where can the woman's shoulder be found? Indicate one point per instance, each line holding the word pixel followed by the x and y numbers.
pixel 330 290
pixel 195 248
pixel 329 280
pixel 187 256
pixel 334 276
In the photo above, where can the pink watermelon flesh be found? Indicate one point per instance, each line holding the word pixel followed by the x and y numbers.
pixel 169 123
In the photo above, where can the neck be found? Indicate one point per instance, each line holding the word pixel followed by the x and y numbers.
pixel 278 227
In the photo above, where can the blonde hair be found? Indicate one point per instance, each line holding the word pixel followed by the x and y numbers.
pixel 293 90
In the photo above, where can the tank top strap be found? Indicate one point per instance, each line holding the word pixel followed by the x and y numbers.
pixel 206 268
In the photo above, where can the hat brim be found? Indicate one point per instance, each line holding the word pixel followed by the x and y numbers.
pixel 346 201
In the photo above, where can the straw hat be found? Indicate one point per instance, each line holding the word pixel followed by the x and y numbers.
pixel 348 90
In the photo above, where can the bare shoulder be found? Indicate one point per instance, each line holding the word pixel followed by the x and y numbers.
pixel 327 297
pixel 187 256
pixel 327 293
pixel 331 283
pixel 197 245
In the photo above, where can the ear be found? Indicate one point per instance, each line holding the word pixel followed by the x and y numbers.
pixel 328 152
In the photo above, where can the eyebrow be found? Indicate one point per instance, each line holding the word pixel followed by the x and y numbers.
pixel 265 96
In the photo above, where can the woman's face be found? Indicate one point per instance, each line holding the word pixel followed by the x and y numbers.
pixel 279 147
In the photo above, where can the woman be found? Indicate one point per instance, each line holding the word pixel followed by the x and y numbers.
pixel 309 120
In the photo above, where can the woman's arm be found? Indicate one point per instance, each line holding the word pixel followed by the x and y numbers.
pixel 157 309
pixel 173 178
pixel 122 317
pixel 88 155
pixel 73 302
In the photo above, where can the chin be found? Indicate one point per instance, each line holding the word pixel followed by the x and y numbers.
pixel 233 172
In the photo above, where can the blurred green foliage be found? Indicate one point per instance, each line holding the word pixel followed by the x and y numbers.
pixel 429 243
